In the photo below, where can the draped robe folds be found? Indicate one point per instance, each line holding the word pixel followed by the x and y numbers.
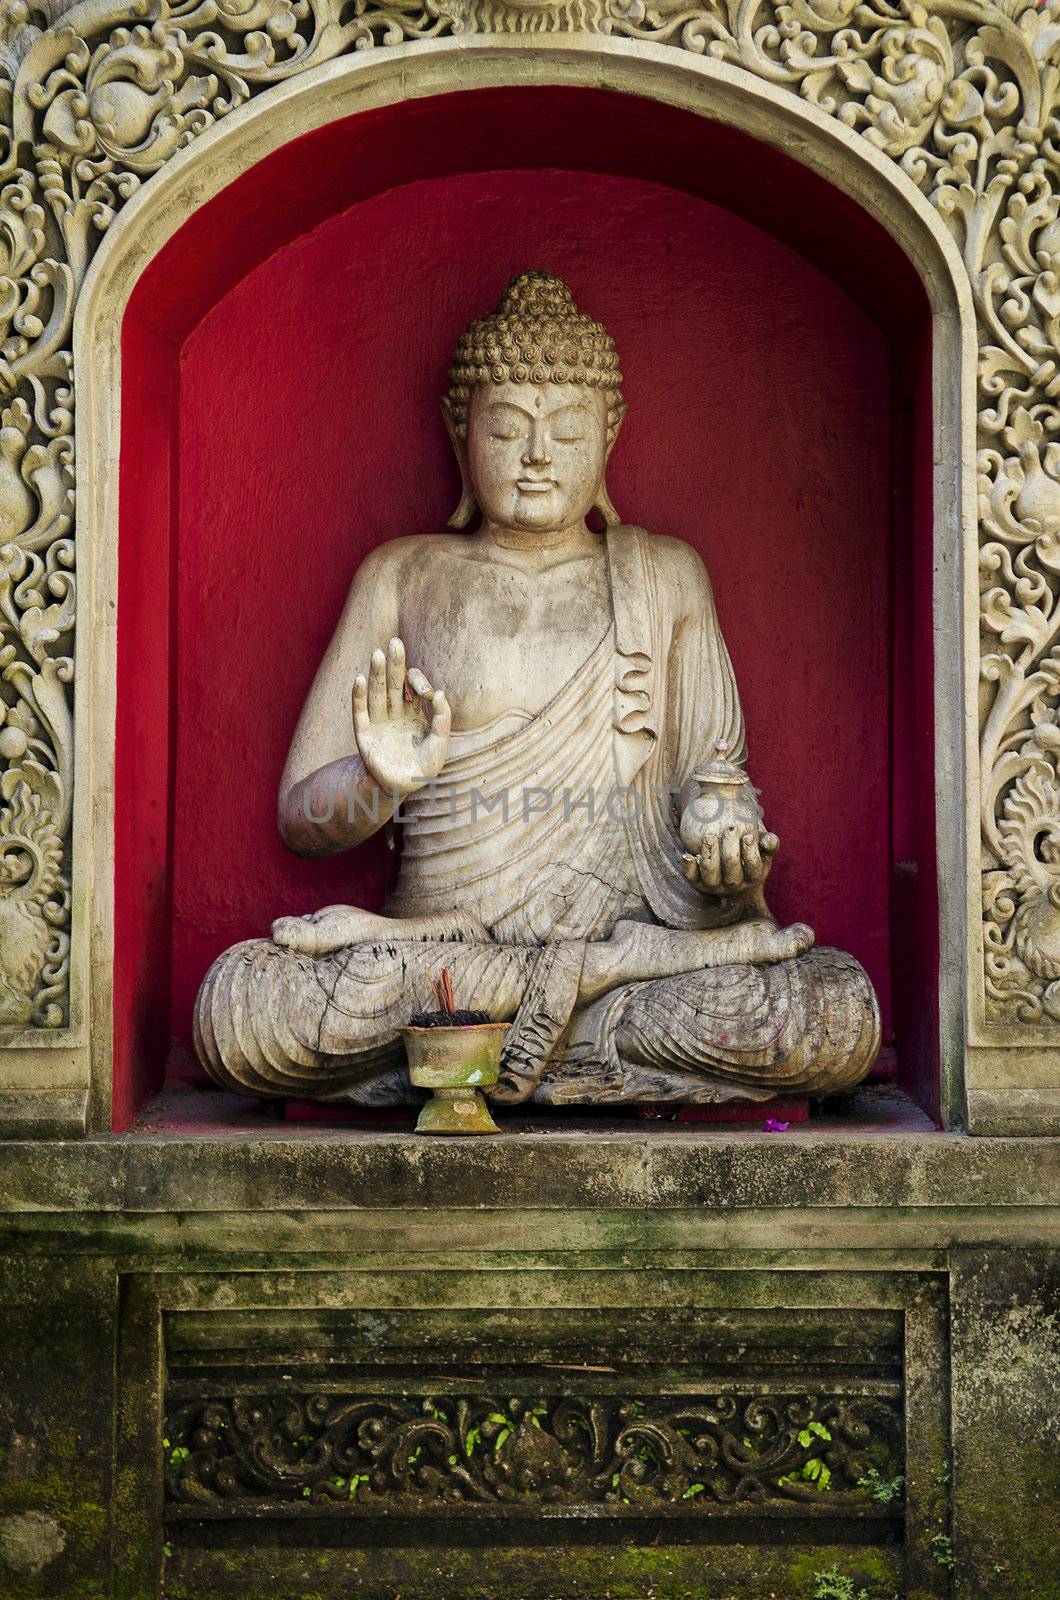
pixel 540 834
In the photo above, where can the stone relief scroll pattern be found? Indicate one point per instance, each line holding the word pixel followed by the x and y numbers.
pixel 384 1453
pixel 964 95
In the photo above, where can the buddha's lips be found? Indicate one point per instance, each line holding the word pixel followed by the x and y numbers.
pixel 534 485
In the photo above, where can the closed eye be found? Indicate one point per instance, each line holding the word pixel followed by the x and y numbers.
pixel 506 422
pixel 568 425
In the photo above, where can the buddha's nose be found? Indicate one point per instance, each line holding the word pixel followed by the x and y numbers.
pixel 537 453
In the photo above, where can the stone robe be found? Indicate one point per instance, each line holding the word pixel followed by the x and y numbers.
pixel 539 834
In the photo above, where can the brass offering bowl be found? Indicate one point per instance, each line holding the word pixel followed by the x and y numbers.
pixel 455 1064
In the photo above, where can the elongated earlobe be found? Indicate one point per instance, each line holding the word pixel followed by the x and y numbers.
pixel 465 511
pixel 605 508
pixel 603 502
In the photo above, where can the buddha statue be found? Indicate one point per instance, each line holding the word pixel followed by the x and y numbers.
pixel 550 715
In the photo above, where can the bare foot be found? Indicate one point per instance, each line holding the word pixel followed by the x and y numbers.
pixel 763 942
pixel 336 927
pixel 639 951
pixel 332 928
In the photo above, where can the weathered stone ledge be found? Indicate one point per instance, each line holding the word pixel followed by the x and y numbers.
pixel 240 1161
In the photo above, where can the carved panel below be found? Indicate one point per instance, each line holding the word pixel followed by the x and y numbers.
pixel 695 1453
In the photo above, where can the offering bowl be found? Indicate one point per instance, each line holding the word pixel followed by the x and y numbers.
pixel 455 1063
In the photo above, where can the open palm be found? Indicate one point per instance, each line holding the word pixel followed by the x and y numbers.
pixel 400 722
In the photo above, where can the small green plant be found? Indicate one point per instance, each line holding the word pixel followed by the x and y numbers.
pixel 350 1484
pixel 884 1490
pixel 812 1471
pixel 833 1585
pixel 942 1550
pixel 692 1490
pixel 504 1426
pixel 178 1455
pixel 167 1549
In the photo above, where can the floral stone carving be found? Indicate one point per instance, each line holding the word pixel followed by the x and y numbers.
pixel 384 1453
pixel 962 94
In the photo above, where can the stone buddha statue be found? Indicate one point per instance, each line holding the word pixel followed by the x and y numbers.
pixel 551 716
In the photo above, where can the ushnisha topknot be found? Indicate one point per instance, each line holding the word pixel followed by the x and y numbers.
pixel 536 335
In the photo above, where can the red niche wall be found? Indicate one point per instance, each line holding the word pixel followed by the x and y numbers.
pixel 282 363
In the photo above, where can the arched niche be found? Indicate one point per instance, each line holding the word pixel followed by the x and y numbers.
pixel 236 390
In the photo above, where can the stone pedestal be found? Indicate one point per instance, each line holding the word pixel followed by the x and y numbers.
pixel 609 1361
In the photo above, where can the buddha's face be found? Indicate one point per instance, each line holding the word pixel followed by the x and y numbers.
pixel 536 453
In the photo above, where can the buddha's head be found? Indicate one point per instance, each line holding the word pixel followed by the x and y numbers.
pixel 533 409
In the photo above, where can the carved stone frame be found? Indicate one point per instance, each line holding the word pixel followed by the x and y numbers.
pixel 940 120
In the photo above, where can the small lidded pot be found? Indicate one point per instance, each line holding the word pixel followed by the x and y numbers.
pixel 455 1063
pixel 725 800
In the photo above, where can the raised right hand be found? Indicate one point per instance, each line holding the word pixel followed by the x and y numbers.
pixel 402 738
